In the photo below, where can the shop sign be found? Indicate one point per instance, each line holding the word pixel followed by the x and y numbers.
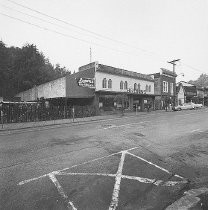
pixel 131 90
pixel 136 101
pixel 189 93
pixel 86 82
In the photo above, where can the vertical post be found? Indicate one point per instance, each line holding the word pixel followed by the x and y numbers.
pixel 2 119
pixel 90 55
pixel 136 109
pixel 65 108
pixel 73 113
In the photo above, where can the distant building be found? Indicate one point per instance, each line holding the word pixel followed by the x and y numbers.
pixel 200 95
pixel 165 88
pixel 190 92
pixel 180 94
pixel 206 96
pixel 99 85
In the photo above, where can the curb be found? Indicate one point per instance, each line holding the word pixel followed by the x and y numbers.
pixel 79 122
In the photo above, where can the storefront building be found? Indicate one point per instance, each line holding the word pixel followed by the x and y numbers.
pixel 200 95
pixel 118 87
pixel 165 88
pixel 190 91
pixel 102 86
pixel 180 92
pixel 206 96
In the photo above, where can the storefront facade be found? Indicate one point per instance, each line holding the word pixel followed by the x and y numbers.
pixel 102 86
pixel 116 88
pixel 165 88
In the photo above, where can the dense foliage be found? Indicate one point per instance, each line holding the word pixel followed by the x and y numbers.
pixel 23 68
pixel 201 81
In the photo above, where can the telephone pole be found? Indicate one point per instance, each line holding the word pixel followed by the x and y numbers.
pixel 90 55
pixel 173 62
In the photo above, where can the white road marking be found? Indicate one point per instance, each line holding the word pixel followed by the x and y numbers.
pixel 115 195
pixel 196 130
pixel 61 192
pixel 136 178
pixel 153 181
pixel 163 169
pixel 124 125
pixel 118 177
pixel 33 179
pixel 86 174
pixel 83 163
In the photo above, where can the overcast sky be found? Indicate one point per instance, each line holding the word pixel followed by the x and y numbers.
pixel 141 35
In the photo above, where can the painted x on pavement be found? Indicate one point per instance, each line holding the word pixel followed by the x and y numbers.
pixel 127 163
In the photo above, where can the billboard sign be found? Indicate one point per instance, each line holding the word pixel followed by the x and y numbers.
pixel 86 82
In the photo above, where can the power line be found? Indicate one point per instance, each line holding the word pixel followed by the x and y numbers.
pixel 65 35
pixel 85 30
pixel 82 29
pixel 38 18
pixel 195 69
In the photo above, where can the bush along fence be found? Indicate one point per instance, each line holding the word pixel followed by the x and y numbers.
pixel 16 112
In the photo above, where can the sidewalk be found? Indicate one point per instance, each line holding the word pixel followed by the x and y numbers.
pixel 26 125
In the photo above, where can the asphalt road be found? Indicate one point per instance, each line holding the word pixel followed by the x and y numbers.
pixel 141 162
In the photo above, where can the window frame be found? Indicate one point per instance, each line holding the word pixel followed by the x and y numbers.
pixel 165 86
pixel 121 85
pixel 125 85
pixel 150 87
pixel 104 83
pixel 110 83
pixel 147 88
pixel 139 87
pixel 171 88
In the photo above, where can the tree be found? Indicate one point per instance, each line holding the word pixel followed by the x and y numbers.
pixel 201 81
pixel 4 68
pixel 23 68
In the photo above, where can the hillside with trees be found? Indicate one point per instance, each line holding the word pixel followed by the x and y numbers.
pixel 202 81
pixel 23 68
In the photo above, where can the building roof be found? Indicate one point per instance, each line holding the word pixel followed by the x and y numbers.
pixel 123 72
pixel 168 72
pixel 185 84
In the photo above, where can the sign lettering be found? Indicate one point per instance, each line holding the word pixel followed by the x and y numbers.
pixel 86 82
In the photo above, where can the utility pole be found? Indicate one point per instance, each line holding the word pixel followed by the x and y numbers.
pixel 90 55
pixel 173 62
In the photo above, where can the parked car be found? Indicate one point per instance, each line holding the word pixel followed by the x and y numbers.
pixel 184 106
pixel 176 108
pixel 197 105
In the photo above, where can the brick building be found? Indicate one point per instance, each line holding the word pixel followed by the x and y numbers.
pixel 165 88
